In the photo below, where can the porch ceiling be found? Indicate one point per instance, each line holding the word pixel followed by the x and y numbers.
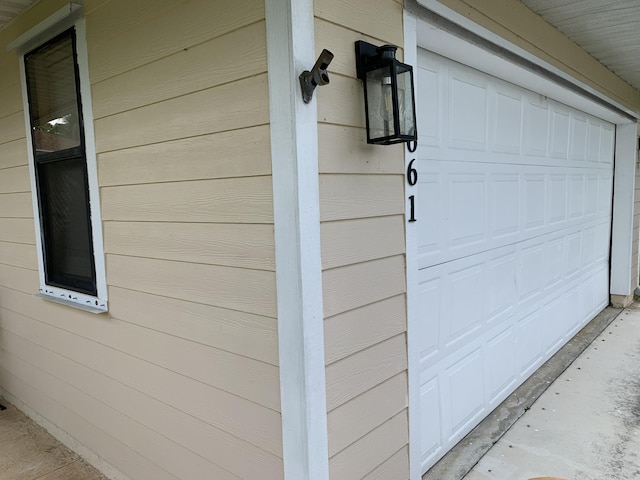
pixel 10 9
pixel 609 31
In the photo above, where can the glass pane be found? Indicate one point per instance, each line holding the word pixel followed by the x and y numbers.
pixel 405 103
pixel 53 98
pixel 65 223
pixel 380 103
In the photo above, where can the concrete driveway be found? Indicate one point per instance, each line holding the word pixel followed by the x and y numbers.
pixel 586 426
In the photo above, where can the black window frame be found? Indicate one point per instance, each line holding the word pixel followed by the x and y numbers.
pixel 42 161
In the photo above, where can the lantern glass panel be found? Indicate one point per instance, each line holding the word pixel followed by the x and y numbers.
pixel 379 97
pixel 405 102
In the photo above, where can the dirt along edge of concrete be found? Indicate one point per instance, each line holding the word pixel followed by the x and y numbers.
pixel 467 453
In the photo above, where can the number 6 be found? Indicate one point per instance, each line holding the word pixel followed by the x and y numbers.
pixel 412 174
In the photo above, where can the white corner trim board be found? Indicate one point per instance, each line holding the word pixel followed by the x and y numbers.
pixel 294 154
pixel 623 198
pixel 411 235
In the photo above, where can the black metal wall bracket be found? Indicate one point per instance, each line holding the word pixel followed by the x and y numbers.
pixel 318 75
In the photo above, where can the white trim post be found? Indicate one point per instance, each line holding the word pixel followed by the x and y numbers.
pixel 621 287
pixel 294 155
pixel 411 258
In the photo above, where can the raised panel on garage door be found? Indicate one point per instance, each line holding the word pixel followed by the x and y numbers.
pixel 514 214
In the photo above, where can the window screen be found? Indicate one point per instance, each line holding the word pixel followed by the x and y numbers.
pixel 60 164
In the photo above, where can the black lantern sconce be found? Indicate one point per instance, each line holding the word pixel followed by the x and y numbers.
pixel 388 95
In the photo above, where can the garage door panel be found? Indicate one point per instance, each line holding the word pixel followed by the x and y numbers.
pixel 578 137
pixel 466 314
pixel 502 296
pixel 514 215
pixel 501 373
pixel 429 302
pixel 464 208
pixel 593 136
pixel 505 205
pixel 506 134
pixel 560 118
pixel 529 343
pixel 468 101
pixel 429 85
pixel 467 209
pixel 466 297
pixel 607 141
pixel 430 421
pixel 461 377
pixel 536 126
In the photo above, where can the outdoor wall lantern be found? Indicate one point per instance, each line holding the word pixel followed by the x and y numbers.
pixel 389 100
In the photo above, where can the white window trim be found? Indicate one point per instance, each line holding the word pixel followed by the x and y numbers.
pixel 63 19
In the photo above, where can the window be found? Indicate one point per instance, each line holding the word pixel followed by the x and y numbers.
pixel 62 166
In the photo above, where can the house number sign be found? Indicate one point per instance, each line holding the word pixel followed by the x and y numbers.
pixel 412 179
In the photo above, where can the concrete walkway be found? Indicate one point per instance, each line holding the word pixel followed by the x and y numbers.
pixel 586 426
pixel 28 452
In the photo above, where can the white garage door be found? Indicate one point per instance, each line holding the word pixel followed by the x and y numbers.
pixel 513 208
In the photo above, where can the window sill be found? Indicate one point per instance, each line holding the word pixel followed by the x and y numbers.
pixel 69 303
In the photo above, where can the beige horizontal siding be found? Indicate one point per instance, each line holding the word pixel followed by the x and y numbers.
pixel 180 379
pixel 18 255
pixel 11 99
pixel 130 411
pixel 16 205
pixel 397 466
pixel 354 375
pixel 227 200
pixel 159 34
pixel 112 348
pixel 362 208
pixel 350 332
pixel 381 19
pixel 238 54
pixel 233 245
pixel 355 241
pixel 354 286
pixel 635 247
pixel 14 180
pixel 112 450
pixel 357 460
pixel 11 127
pixel 231 106
pixel 189 159
pixel 245 334
pixel 241 289
pixel 18 278
pixel 356 418
pixel 10 73
pixel 357 196
pixel 16 230
pixel 345 150
pixel 13 153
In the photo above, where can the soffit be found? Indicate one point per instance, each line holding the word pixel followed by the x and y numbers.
pixel 608 31
pixel 10 9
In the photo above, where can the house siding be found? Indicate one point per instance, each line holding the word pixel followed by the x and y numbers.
pixel 180 379
pixel 363 245
pixel 635 249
